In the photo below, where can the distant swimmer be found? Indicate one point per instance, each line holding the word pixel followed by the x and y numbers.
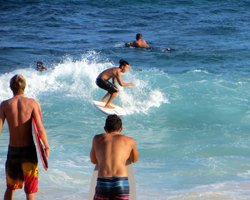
pixel 110 152
pixel 139 43
pixel 114 73
pixel 40 67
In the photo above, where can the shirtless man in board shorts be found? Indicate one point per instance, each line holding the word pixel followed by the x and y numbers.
pixel 21 164
pixel 110 151
pixel 113 73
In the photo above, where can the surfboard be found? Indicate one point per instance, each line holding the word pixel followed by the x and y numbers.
pixel 129 44
pixel 109 111
pixel 131 182
pixel 40 145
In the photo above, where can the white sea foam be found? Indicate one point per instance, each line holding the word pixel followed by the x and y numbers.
pixel 139 101
pixel 219 191
pixel 76 78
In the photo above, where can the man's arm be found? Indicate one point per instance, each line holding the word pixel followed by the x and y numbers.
pixel 135 44
pixel 114 81
pixel 134 155
pixel 120 81
pixel 41 130
pixel 92 153
pixel 2 118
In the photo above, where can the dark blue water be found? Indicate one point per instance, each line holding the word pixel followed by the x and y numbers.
pixel 203 33
pixel 190 110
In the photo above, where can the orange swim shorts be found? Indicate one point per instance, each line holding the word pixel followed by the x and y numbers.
pixel 22 167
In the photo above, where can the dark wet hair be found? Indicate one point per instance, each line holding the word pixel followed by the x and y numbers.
pixel 39 63
pixel 123 62
pixel 40 67
pixel 113 123
pixel 138 36
pixel 17 84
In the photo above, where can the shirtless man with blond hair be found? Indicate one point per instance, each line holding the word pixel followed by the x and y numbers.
pixel 114 73
pixel 21 164
pixel 110 152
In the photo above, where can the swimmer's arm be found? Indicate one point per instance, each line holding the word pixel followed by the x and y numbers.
pixel 146 44
pixel 129 44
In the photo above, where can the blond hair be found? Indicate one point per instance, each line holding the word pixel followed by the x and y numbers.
pixel 17 84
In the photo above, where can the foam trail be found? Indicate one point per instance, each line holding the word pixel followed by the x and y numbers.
pixel 141 99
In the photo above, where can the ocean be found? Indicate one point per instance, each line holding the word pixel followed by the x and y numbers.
pixel 189 111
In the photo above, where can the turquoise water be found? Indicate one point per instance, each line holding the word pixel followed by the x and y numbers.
pixel 189 111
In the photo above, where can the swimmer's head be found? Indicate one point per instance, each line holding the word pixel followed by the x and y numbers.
pixel 40 67
pixel 138 36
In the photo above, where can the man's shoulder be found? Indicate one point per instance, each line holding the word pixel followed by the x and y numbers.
pixel 4 102
pixel 31 100
pixel 127 138
pixel 2 106
pixel 116 69
pixel 112 70
pixel 99 136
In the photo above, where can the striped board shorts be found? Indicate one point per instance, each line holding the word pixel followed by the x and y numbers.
pixel 112 188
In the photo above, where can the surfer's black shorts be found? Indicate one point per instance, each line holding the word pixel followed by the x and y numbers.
pixel 112 188
pixel 106 85
pixel 22 167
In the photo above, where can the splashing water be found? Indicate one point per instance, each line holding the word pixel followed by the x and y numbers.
pixel 76 78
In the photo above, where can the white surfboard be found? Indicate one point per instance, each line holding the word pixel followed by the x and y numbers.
pixel 131 182
pixel 109 111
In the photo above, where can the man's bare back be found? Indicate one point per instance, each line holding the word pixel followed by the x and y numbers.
pixel 110 73
pixel 141 43
pixel 111 151
pixel 19 111
pixel 118 149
